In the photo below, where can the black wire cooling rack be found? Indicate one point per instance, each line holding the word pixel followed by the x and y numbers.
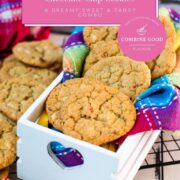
pixel 165 152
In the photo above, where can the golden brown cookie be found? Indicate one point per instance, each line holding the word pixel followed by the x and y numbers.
pixel 38 53
pixel 9 58
pixel 166 61
pixel 8 140
pixel 90 110
pixel 95 34
pixel 178 58
pixel 18 94
pixel 110 146
pixel 130 77
pixel 101 49
pixel 13 68
pixel 57 67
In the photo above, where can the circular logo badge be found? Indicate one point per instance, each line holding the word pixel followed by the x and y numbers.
pixel 142 38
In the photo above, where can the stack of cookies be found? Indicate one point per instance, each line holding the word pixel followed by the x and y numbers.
pixel 107 63
pixel 103 43
pixel 24 75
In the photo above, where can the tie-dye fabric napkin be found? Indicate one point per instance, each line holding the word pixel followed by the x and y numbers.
pixel 75 52
pixel 158 108
pixel 12 30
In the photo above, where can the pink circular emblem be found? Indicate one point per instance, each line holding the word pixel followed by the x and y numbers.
pixel 142 38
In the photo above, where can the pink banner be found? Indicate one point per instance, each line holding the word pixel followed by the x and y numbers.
pixel 86 11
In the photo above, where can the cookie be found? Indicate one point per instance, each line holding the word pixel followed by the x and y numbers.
pixel 9 58
pixel 18 94
pixel 178 58
pixel 101 49
pixel 120 72
pixel 89 110
pixel 95 34
pixel 110 146
pixel 12 68
pixel 57 67
pixel 38 53
pixel 8 140
pixel 166 61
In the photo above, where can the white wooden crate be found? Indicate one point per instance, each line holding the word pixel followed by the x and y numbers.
pixel 99 164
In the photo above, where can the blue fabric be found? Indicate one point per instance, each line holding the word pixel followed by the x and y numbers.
pixel 77 29
pixel 157 95
pixel 162 80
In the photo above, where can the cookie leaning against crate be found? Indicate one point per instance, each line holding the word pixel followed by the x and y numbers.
pixel 120 72
pixel 8 140
pixel 17 94
pixel 39 53
pixel 89 110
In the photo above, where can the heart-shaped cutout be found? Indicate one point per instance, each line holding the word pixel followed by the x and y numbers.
pixel 65 157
